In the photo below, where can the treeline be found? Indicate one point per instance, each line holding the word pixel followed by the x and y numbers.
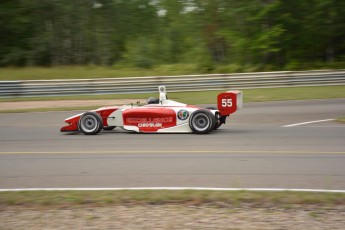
pixel 146 33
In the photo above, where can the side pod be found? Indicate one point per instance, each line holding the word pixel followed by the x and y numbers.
pixel 229 102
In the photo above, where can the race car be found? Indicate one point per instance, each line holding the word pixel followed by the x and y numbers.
pixel 159 115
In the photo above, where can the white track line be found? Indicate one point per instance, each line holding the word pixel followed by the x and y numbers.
pixel 308 122
pixel 177 151
pixel 174 189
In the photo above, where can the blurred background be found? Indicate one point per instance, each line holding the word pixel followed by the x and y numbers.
pixel 193 36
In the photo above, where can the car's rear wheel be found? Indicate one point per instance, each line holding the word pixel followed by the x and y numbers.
pixel 202 121
pixel 218 122
pixel 90 123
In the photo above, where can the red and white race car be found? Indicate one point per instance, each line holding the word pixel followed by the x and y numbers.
pixel 157 116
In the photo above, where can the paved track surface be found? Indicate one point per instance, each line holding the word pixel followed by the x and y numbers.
pixel 253 150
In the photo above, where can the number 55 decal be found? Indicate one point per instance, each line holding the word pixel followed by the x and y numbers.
pixel 226 102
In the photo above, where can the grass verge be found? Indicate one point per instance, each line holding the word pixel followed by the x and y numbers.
pixel 341 119
pixel 209 97
pixel 204 97
pixel 117 71
pixel 87 72
pixel 161 197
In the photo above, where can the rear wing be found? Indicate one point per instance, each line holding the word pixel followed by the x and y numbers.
pixel 229 102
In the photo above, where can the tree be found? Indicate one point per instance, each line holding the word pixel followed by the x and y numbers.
pixel 145 33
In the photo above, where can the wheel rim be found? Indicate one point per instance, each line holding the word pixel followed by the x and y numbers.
pixel 201 122
pixel 89 123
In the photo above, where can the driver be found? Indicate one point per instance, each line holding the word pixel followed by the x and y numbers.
pixel 152 100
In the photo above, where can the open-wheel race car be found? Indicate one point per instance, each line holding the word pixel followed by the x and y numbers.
pixel 157 116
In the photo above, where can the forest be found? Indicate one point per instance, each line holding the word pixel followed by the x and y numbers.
pixel 263 34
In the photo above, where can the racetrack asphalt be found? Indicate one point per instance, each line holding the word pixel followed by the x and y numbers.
pixel 252 150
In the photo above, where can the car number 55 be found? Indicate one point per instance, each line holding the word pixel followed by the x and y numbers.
pixel 226 102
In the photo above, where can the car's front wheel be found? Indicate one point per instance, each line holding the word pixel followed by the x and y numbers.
pixel 202 121
pixel 90 123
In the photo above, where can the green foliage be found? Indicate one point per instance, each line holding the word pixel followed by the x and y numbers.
pixel 260 34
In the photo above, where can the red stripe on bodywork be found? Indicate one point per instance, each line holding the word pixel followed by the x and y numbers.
pixel 104 113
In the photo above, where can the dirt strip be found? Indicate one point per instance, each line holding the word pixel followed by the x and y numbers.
pixel 179 217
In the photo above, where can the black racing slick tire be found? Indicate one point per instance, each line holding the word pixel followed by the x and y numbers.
pixel 218 122
pixel 90 123
pixel 109 127
pixel 202 121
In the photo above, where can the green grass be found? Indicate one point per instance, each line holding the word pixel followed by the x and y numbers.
pixel 160 197
pixel 64 72
pixel 82 97
pixel 341 119
pixel 295 93
pixel 204 97
pixel 92 71
pixel 86 72
pixel 209 97
pixel 269 94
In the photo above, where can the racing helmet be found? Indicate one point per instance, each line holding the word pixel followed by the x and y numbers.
pixel 152 100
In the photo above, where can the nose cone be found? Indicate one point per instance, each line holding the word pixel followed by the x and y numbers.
pixel 72 124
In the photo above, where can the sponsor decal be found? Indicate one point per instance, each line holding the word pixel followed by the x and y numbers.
pixel 144 122
pixel 149 119
pixel 157 125
pixel 182 114
pixel 155 120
